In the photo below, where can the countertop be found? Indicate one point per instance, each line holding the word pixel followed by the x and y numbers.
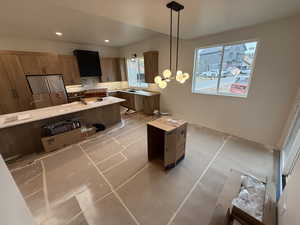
pixel 18 118
pixel 126 90
pixel 141 92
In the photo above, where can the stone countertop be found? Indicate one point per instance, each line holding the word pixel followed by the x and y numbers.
pixel 125 90
pixel 141 92
pixel 18 118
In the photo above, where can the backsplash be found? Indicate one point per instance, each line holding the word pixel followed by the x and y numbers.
pixel 91 85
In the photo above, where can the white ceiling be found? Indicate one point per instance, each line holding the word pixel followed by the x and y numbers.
pixel 128 21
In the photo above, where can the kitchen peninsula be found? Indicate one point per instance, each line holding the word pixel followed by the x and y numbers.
pixel 20 133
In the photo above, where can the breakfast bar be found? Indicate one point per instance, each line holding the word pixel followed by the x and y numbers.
pixel 20 132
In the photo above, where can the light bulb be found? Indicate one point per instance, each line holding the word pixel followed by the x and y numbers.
pixel 162 84
pixel 167 73
pixel 182 81
pixel 186 76
pixel 179 76
pixel 157 79
pixel 179 72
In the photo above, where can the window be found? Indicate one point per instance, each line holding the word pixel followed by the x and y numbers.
pixel 224 69
pixel 136 73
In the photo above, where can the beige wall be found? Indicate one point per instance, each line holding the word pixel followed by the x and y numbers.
pixel 60 47
pixel 261 116
pixel 288 206
pixel 13 209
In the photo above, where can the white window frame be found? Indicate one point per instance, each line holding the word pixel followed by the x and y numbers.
pixel 140 84
pixel 223 45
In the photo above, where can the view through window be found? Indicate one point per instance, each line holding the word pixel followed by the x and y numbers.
pixel 224 69
pixel 136 72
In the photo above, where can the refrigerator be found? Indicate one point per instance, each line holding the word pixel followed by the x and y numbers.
pixel 47 90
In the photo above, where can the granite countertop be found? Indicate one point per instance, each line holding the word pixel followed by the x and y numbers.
pixel 18 118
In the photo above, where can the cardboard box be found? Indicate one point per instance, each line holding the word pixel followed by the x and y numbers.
pixel 166 140
pixel 62 140
pixel 88 131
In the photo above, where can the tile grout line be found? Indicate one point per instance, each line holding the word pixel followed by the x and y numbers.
pixel 32 194
pixel 114 166
pixel 121 152
pixel 107 158
pixel 130 129
pixel 119 143
pixel 74 218
pixel 82 211
pixel 41 158
pixel 45 189
pixel 132 177
pixel 112 188
pixel 69 147
pixel 198 180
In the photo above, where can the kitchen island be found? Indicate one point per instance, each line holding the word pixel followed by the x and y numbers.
pixel 20 133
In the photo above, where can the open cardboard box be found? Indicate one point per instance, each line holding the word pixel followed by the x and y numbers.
pixel 62 140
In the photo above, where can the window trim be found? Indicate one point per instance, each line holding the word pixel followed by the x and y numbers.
pixel 223 45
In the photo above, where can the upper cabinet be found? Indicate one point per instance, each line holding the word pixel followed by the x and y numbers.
pixel 34 63
pixel 15 93
pixel 123 69
pixel 30 64
pixel 113 69
pixel 70 69
pixel 50 64
pixel 151 65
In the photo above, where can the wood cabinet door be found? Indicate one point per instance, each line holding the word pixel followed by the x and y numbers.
pixel 106 68
pixel 50 64
pixel 130 100
pixel 7 103
pixel 150 65
pixel 123 69
pixel 110 69
pixel 70 69
pixel 16 96
pixel 30 64
pixel 170 148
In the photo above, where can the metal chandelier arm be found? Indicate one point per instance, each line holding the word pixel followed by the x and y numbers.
pixel 177 48
pixel 171 26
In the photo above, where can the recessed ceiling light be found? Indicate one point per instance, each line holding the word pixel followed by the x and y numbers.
pixel 58 33
pixel 106 40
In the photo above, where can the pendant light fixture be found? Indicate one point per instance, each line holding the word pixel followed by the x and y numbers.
pixel 162 81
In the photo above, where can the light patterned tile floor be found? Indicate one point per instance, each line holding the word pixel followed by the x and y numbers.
pixel 108 180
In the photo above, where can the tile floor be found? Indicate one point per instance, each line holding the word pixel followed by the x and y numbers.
pixel 108 180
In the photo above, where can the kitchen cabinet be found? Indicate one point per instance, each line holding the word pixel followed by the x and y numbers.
pixel 30 64
pixel 145 101
pixel 113 69
pixel 130 100
pixel 35 63
pixel 70 69
pixel 15 65
pixel 50 63
pixel 110 70
pixel 123 69
pixel 150 65
pixel 15 93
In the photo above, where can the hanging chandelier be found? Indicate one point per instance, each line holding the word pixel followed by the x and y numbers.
pixel 167 76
